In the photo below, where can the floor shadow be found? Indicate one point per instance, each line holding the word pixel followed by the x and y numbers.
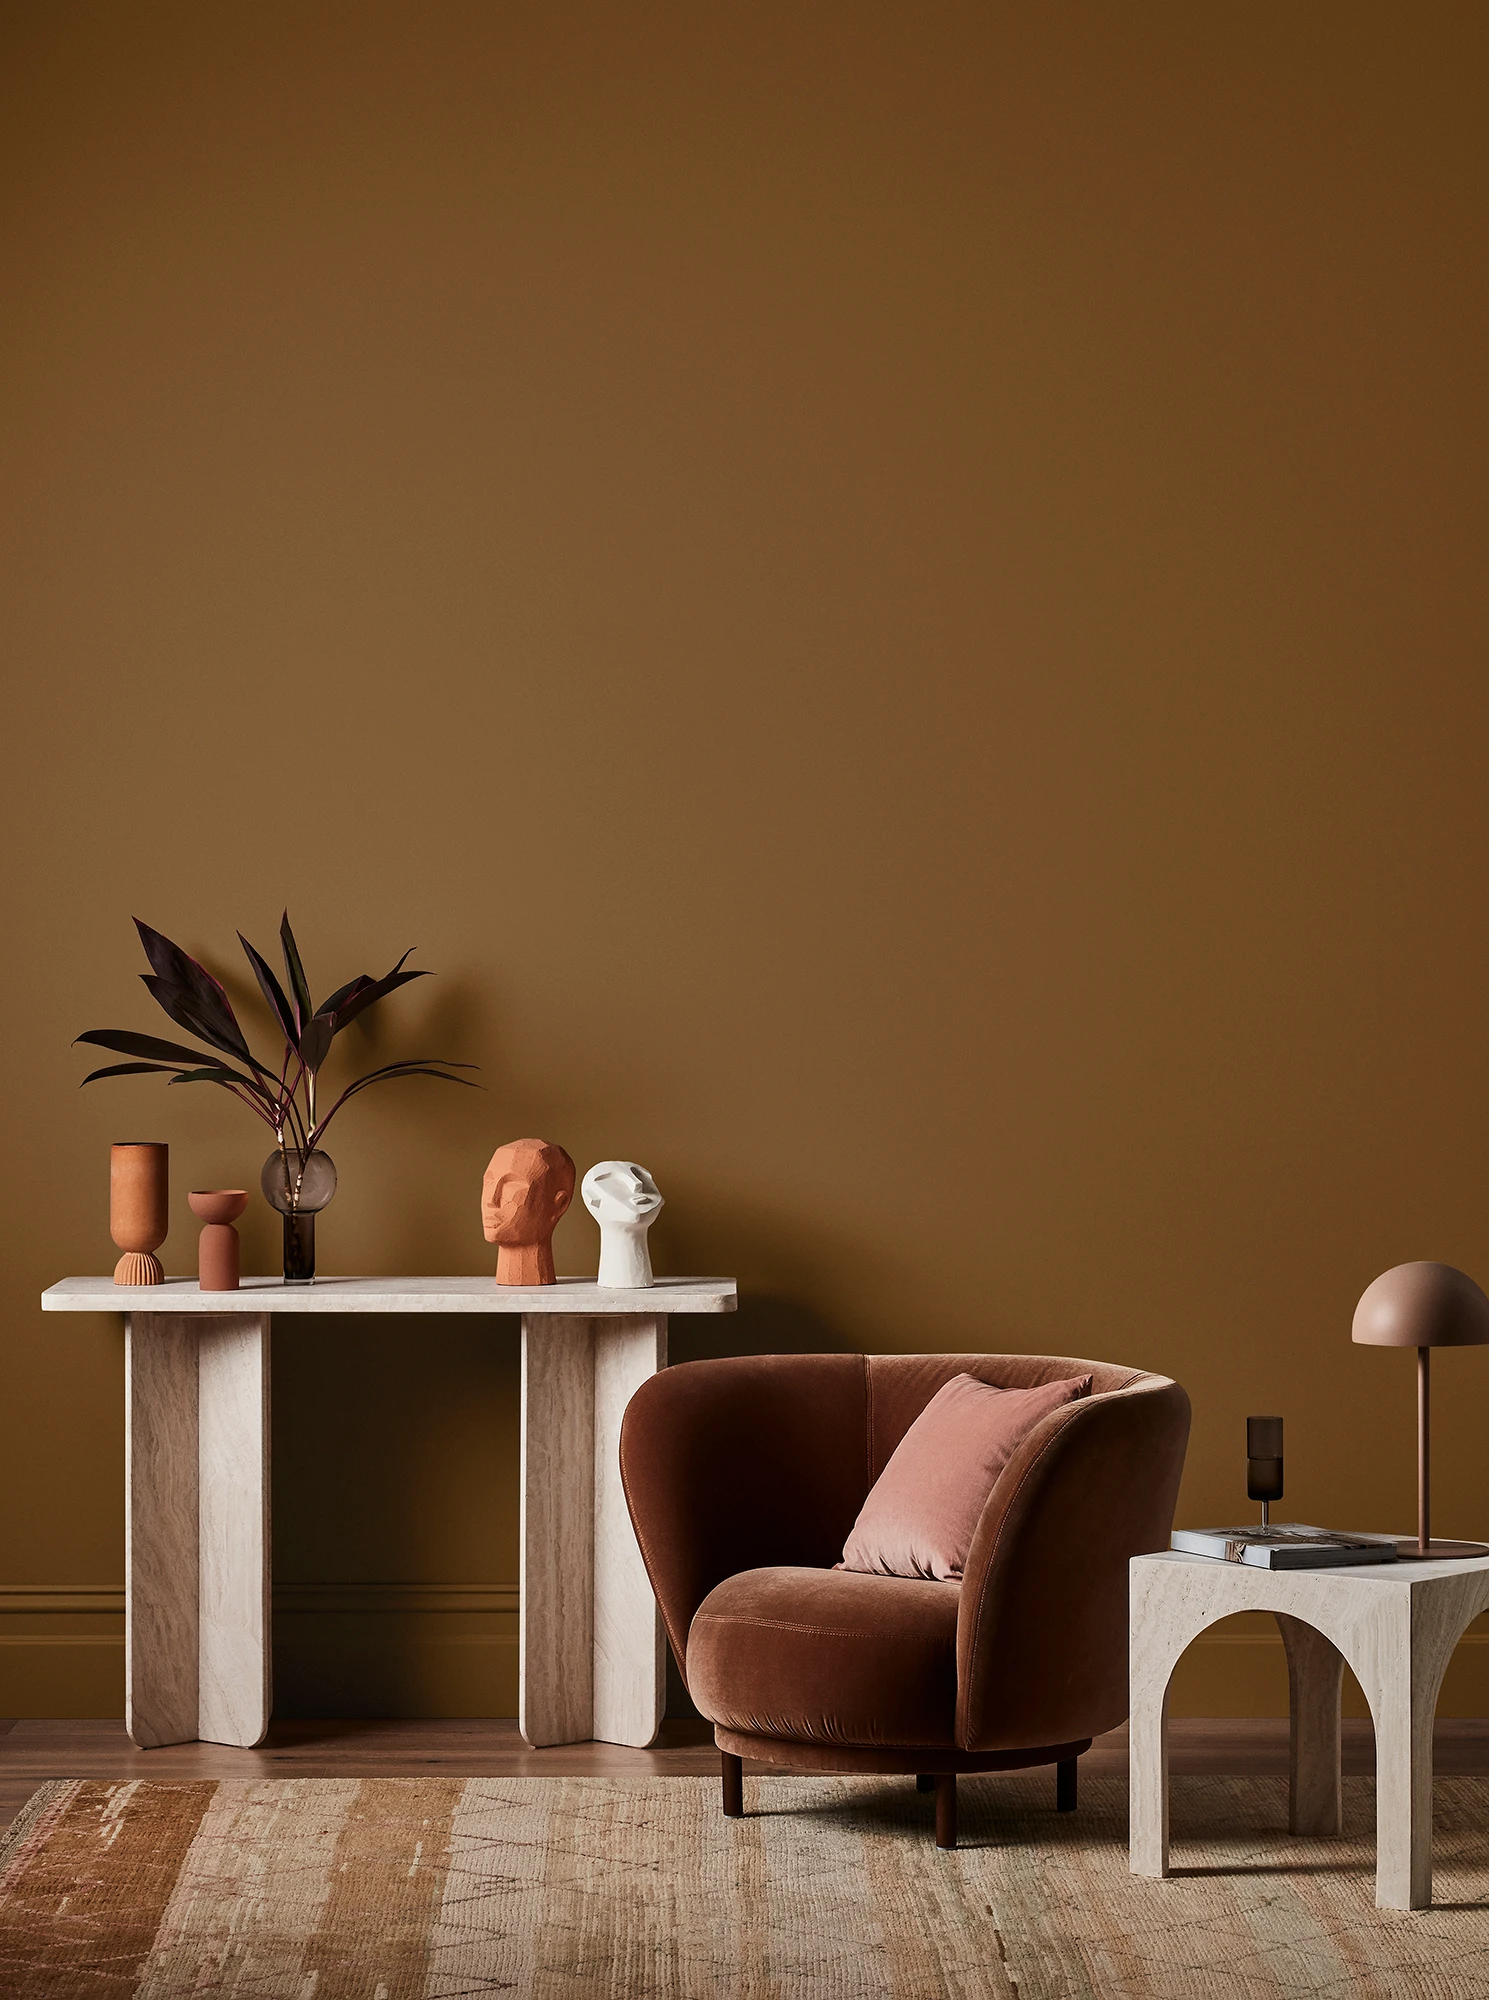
pixel 1288 1867
pixel 987 1822
pixel 908 1813
pixel 286 1732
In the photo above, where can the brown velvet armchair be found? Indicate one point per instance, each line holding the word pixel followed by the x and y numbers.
pixel 743 1478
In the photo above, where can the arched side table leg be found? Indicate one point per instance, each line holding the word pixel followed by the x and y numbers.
pixel 1395 1624
pixel 1403 1700
pixel 1163 1622
pixel 1315 1674
pixel 1147 1783
pixel 1404 1655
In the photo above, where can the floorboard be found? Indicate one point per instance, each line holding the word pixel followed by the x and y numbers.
pixel 32 1752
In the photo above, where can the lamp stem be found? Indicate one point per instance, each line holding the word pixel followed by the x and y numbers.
pixel 1424 1424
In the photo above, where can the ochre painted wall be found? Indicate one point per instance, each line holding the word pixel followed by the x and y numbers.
pixel 894 596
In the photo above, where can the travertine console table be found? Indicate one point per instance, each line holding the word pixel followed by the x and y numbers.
pixel 1395 1623
pixel 197 1624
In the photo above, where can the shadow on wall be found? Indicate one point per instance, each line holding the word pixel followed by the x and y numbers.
pixel 764 1323
pixel 396 1451
pixel 374 1418
pixel 396 1438
pixel 395 1492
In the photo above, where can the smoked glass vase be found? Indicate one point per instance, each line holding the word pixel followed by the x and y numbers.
pixel 299 1186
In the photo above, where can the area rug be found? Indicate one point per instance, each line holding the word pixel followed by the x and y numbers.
pixel 570 1888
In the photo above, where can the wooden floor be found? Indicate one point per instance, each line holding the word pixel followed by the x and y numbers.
pixel 32 1752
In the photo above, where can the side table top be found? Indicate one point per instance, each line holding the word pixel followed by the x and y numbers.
pixel 1391 1575
pixel 579 1296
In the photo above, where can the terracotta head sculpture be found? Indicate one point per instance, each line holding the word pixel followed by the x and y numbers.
pixel 527 1187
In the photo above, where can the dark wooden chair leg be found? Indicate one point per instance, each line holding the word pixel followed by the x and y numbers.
pixel 946 1809
pixel 733 1785
pixel 1065 1785
pixel 925 1782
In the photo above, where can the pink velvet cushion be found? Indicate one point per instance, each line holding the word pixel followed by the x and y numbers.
pixel 923 1508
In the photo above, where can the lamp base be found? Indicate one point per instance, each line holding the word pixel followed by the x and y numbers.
pixel 1408 1550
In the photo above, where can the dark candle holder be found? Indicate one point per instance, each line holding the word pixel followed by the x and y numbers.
pixel 1264 1463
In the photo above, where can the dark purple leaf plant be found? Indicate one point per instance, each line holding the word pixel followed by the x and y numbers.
pixel 283 1097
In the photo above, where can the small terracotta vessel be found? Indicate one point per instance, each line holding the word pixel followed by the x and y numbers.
pixel 217 1257
pixel 139 1212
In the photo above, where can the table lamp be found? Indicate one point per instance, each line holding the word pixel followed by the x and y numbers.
pixel 1424 1306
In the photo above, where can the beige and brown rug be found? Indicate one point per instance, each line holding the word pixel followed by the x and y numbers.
pixel 569 1888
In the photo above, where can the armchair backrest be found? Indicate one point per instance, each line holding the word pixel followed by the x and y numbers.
pixel 743 1463
pixel 1042 1625
pixel 900 1386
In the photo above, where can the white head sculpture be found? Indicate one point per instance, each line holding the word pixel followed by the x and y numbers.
pixel 623 1199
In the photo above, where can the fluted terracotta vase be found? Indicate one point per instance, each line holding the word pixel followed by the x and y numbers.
pixel 138 1209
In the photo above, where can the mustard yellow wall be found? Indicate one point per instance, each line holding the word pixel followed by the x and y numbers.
pixel 895 598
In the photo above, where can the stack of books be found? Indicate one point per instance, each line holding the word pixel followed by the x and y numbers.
pixel 1286 1545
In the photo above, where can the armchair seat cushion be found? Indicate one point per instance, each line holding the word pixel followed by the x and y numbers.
pixel 827 1656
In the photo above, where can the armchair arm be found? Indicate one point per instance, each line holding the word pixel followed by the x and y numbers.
pixel 1042 1627
pixel 742 1463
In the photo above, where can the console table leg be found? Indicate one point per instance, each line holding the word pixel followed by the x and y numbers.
pixel 630 1682
pixel 197 1637
pixel 591 1662
pixel 160 1529
pixel 235 1645
pixel 1315 1673
pixel 555 1673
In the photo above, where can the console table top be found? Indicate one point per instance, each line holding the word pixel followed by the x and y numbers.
pixel 578 1296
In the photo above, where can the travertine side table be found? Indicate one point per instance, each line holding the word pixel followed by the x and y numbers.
pixel 1395 1623
pixel 197 1630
